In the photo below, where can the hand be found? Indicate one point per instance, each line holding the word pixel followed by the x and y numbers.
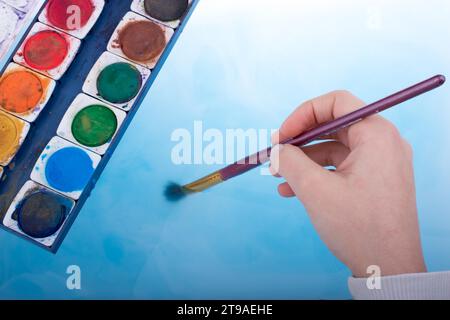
pixel 365 210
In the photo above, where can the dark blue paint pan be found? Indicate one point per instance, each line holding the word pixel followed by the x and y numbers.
pixel 87 90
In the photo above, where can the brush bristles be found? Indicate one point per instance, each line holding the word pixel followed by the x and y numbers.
pixel 175 192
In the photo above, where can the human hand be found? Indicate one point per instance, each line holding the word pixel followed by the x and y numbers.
pixel 365 211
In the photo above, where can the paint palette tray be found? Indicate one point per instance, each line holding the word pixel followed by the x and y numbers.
pixel 136 30
pixel 85 86
pixel 20 218
pixel 65 167
pixel 13 132
pixel 22 5
pixel 48 51
pixel 82 118
pixel 17 82
pixel 67 21
pixel 9 30
pixel 168 14
pixel 16 15
pixel 123 91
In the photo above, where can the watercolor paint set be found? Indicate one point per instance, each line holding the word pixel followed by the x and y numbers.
pixel 68 93
pixel 15 15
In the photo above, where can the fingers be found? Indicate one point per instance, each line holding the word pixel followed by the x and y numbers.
pixel 285 190
pixel 327 154
pixel 317 111
pixel 301 173
pixel 326 108
pixel 324 154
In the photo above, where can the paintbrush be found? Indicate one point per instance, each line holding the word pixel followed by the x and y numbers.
pixel 176 192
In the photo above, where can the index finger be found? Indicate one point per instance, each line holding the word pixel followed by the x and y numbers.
pixel 317 111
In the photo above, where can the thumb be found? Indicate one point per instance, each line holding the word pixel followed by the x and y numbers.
pixel 302 174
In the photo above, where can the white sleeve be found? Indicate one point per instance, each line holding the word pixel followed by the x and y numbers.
pixel 422 286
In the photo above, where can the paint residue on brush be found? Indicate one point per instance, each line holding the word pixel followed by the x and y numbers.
pixel 94 126
pixel 41 214
pixel 45 50
pixel 142 40
pixel 10 133
pixel 21 91
pixel 119 82
pixel 61 15
pixel 166 10
pixel 69 169
pixel 174 192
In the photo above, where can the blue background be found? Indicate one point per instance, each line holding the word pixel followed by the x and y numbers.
pixel 247 64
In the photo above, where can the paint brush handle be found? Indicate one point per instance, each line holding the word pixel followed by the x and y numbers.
pixel 326 129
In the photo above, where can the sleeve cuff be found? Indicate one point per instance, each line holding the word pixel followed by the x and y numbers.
pixel 422 286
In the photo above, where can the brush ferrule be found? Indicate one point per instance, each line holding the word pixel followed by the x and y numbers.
pixel 204 183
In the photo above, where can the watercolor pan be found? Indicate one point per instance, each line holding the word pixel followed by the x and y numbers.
pixel 43 131
pixel 132 36
pixel 59 48
pixel 24 93
pixel 11 21
pixel 45 227
pixel 16 17
pixel 57 14
pixel 102 120
pixel 116 81
pixel 13 132
pixel 167 12
pixel 65 167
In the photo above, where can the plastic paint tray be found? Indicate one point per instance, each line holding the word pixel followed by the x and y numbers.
pixel 17 175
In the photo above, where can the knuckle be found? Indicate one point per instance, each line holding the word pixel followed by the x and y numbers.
pixel 392 137
pixel 391 132
pixel 343 94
